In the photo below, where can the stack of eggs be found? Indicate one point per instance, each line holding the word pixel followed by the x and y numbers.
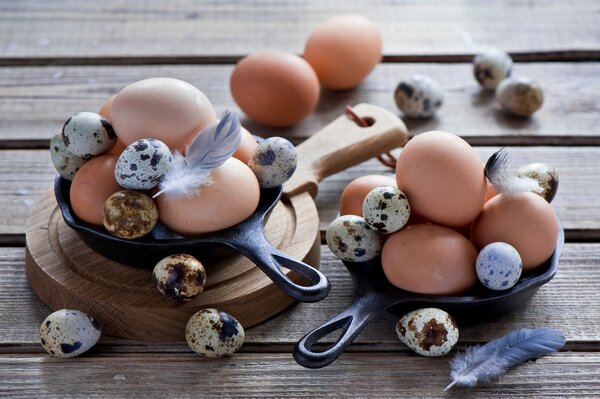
pixel 432 221
pixel 118 158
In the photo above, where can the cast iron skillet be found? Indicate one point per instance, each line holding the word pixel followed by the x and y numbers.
pixel 374 294
pixel 247 238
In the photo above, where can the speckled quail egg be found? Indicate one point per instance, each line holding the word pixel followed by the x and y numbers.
pixel 546 176
pixel 128 214
pixel 273 161
pixel 520 96
pixel 87 134
pixel 65 162
pixel 419 96
pixel 429 332
pixel 350 239
pixel 143 164
pixel 386 209
pixel 213 333
pixel 498 266
pixel 491 67
pixel 69 333
pixel 180 277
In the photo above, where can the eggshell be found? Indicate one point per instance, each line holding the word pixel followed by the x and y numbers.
pixel 491 67
pixel 546 176
pixel 231 198
pixel 143 164
pixel 520 96
pixel 179 276
pixel 525 221
pixel 247 146
pixel 429 259
pixel 442 176
pixel 350 239
pixel 87 134
pixel 490 191
pixel 166 109
pixel 351 200
pixel 429 332
pixel 419 96
pixel 273 161
pixel 129 215
pixel 343 50
pixel 91 187
pixel 105 110
pixel 65 163
pixel 69 333
pixel 386 209
pixel 498 266
pixel 212 333
pixel 275 88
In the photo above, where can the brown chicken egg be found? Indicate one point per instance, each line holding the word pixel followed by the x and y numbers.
pixel 105 110
pixel 525 221
pixel 247 146
pixel 351 201
pixel 443 178
pixel 91 187
pixel 343 50
pixel 275 88
pixel 231 198
pixel 429 259
pixel 166 109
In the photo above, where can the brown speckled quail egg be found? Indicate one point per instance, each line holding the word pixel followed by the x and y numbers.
pixel 273 161
pixel 69 333
pixel 180 277
pixel 491 67
pixel 65 162
pixel 87 134
pixel 213 333
pixel 429 331
pixel 520 96
pixel 350 239
pixel 143 164
pixel 546 176
pixel 128 214
pixel 419 96
pixel 386 209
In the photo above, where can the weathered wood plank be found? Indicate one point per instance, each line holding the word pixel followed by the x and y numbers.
pixel 363 375
pixel 110 31
pixel 35 101
pixel 570 302
pixel 26 174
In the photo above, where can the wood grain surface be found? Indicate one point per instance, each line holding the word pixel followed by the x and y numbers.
pixel 117 31
pixel 35 101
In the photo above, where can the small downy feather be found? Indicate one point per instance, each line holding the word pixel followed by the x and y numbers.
pixel 211 147
pixel 481 364
pixel 498 172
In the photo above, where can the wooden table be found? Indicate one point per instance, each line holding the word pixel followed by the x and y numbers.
pixel 60 57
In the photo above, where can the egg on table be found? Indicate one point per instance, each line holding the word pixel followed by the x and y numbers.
pixel 275 88
pixel 273 161
pixel 419 96
pixel 350 239
pixel 520 96
pixel 491 67
pixel 212 333
pixel 386 209
pixel 179 276
pixel 166 109
pixel 343 50
pixel 69 333
pixel 91 187
pixel 429 332
pixel 87 134
pixel 143 164
pixel 353 196
pixel 65 162
pixel 129 215
pixel 498 266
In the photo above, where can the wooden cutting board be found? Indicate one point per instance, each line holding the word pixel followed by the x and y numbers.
pixel 65 273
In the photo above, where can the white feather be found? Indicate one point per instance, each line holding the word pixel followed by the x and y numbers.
pixel 498 172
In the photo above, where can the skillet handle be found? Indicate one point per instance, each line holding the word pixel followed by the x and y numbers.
pixel 270 261
pixel 351 321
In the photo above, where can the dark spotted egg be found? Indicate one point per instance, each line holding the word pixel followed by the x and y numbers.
pixel 65 162
pixel 87 134
pixel 129 215
pixel 350 239
pixel 419 96
pixel 491 67
pixel 143 164
pixel 180 277
pixel 546 176
pixel 273 162
pixel 69 333
pixel 429 332
pixel 213 333
pixel 498 266
pixel 386 209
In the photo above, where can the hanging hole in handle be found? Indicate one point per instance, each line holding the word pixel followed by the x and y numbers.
pixel 303 277
pixel 339 328
pixel 361 121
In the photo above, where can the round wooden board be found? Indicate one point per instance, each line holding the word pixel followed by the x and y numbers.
pixel 65 273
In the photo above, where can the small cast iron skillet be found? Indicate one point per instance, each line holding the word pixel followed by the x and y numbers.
pixel 374 294
pixel 247 238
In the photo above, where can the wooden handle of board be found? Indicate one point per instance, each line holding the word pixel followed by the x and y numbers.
pixel 342 144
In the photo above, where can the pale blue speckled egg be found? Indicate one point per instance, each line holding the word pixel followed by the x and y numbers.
pixel 350 239
pixel 143 164
pixel 499 266
pixel 273 162
pixel 88 134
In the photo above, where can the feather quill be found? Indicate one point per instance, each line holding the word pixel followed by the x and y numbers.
pixel 211 147
pixel 498 172
pixel 481 364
